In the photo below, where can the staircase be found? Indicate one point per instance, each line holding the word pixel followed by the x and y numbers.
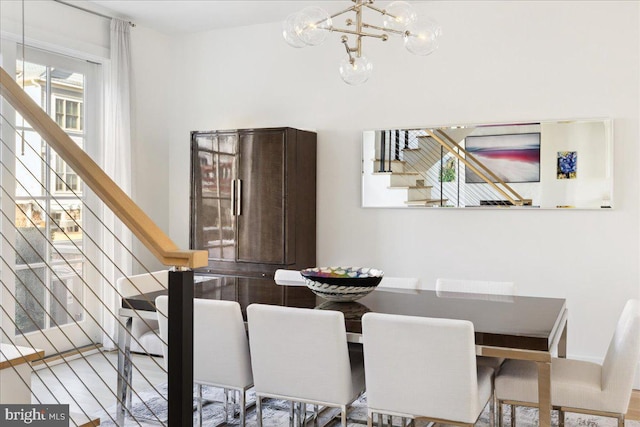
pixel 16 370
pixel 410 179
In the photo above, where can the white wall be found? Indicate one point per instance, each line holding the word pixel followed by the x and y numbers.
pixel 152 108
pixel 56 27
pixel 498 62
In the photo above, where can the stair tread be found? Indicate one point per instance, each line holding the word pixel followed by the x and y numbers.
pixel 424 201
pixel 387 161
pixel 409 187
pixel 396 173
pixel 11 355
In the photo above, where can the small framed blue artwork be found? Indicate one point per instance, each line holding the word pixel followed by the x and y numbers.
pixel 567 165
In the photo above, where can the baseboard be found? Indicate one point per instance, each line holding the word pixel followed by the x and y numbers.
pixel 57 359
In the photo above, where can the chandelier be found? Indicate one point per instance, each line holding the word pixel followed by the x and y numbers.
pixel 311 25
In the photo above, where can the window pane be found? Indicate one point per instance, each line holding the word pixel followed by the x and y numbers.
pixel 30 300
pixel 65 178
pixel 66 298
pixel 59 112
pixel 66 232
pixel 29 166
pixel 30 239
pixel 72 181
pixel 33 77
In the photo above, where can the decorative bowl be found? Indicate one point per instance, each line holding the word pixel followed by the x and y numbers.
pixel 352 310
pixel 342 284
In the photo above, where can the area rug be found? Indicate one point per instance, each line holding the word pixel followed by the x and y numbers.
pixel 153 412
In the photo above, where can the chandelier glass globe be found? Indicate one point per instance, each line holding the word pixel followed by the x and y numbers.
pixel 398 16
pixel 423 37
pixel 312 25
pixel 290 32
pixel 355 71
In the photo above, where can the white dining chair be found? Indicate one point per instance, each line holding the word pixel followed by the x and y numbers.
pixel 220 349
pixel 411 283
pixel 288 278
pixel 503 292
pixel 479 289
pixel 580 386
pixel 145 332
pixel 301 355
pixel 423 368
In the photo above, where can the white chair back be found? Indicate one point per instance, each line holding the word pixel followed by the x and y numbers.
pixel 220 346
pixel 412 283
pixel 300 354
pixel 142 283
pixel 421 366
pixel 144 331
pixel 289 278
pixel 622 357
pixel 475 286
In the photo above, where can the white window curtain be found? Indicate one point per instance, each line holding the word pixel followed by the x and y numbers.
pixel 117 163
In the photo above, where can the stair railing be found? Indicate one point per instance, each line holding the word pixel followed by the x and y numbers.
pixel 180 284
pixel 478 167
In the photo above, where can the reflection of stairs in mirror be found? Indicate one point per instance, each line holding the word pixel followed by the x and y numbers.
pixel 425 159
pixel 411 182
pixel 426 202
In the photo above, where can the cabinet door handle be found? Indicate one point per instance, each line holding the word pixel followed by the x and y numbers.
pixel 239 198
pixel 233 197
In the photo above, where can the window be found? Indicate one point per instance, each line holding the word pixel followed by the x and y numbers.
pixel 50 262
pixel 66 179
pixel 68 113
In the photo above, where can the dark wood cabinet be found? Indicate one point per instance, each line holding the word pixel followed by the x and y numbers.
pixel 253 199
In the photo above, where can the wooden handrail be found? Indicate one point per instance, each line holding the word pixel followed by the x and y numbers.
pixel 95 178
pixel 479 163
pixel 514 198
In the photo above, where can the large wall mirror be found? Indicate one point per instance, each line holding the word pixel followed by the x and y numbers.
pixel 551 164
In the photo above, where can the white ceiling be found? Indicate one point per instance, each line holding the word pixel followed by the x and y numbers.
pixel 190 16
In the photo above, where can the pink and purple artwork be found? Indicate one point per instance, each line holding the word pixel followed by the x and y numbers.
pixel 512 157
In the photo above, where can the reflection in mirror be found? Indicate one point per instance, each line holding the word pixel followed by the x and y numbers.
pixel 560 164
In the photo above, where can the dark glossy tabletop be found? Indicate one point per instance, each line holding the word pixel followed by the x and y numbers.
pixel 501 321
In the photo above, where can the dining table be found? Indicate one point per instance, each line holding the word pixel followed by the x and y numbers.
pixel 513 327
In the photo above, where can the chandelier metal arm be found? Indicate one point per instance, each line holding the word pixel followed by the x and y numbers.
pixel 386 30
pixel 377 9
pixel 359 28
pixel 361 33
pixel 349 9
pixel 345 41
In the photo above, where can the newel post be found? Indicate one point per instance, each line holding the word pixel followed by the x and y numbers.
pixel 180 363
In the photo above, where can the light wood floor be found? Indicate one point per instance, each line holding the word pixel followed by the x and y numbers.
pixel 634 406
pixel 88 384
